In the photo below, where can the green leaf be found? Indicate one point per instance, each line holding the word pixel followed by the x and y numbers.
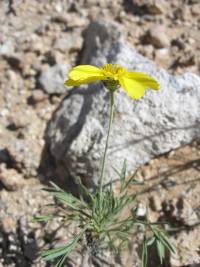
pixel 123 176
pixel 160 250
pixel 56 186
pixel 42 218
pixel 111 242
pixel 63 250
pixel 160 235
pixel 144 253
pixel 56 252
pixel 166 242
pixel 67 199
pixel 84 191
pixel 70 201
pixel 151 241
pixel 132 180
pixel 116 171
pixel 61 261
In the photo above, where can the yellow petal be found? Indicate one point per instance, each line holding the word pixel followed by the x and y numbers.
pixel 83 72
pixel 135 83
pixel 71 82
pixel 144 79
pixel 133 89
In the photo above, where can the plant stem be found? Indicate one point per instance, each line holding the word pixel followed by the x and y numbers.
pixel 106 145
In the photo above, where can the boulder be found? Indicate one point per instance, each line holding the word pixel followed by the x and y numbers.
pixel 142 129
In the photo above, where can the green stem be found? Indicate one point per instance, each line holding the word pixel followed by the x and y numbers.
pixel 107 141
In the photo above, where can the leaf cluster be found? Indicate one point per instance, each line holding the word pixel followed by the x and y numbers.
pixel 101 222
pixel 160 240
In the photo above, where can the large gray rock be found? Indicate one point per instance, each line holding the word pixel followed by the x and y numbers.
pixel 142 129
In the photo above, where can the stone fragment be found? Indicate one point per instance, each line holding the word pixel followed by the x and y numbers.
pixel 178 43
pixel 162 55
pixel 187 252
pixel 185 61
pixel 195 9
pixel 156 7
pixel 10 178
pixel 52 79
pixel 71 20
pixel 54 57
pixel 180 211
pixel 24 155
pixel 150 7
pixel 147 50
pixel 7 47
pixel 156 203
pixel 14 60
pixel 38 96
pixel 16 121
pixel 141 210
pixel 76 21
pixel 8 224
pixel 157 36
pixel 69 43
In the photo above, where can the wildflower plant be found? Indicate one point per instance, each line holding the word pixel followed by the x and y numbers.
pixel 98 215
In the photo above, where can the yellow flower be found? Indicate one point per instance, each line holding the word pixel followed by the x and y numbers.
pixel 113 76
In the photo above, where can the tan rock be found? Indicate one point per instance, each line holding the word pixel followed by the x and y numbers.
pixel 10 178
pixel 8 224
pixel 187 249
pixel 162 56
pixel 195 9
pixel 157 36
pixel 156 203
pixel 38 96
pixel 157 7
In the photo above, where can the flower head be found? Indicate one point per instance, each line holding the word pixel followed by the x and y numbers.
pixel 113 76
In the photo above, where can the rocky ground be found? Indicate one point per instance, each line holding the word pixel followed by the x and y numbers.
pixel 37 35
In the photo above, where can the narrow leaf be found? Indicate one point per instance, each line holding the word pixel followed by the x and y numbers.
pixel 160 250
pixel 84 191
pixel 42 218
pixel 166 242
pixel 132 180
pixel 63 250
pixel 123 176
pixel 144 253
pixel 56 252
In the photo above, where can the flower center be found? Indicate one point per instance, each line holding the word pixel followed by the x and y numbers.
pixel 112 71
